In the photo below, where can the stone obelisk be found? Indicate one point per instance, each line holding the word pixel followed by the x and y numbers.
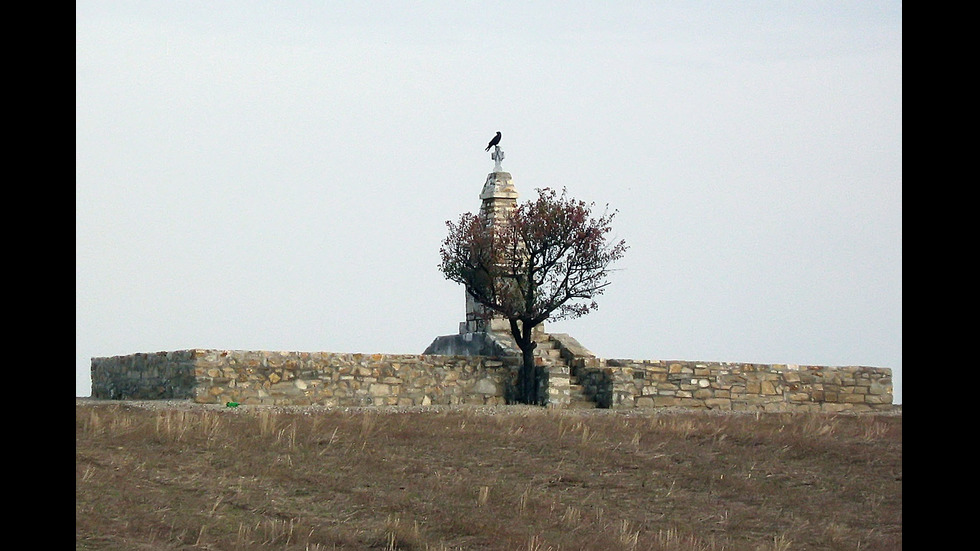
pixel 484 332
pixel 499 198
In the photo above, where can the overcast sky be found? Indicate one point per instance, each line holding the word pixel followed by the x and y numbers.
pixel 277 175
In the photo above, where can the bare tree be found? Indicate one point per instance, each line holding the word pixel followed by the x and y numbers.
pixel 545 259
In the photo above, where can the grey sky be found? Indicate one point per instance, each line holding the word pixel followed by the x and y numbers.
pixel 277 176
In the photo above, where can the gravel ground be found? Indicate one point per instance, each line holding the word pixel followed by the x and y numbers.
pixel 190 405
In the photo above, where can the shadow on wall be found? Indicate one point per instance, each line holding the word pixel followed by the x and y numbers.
pixel 597 384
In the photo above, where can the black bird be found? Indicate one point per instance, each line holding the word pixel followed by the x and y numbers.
pixel 493 142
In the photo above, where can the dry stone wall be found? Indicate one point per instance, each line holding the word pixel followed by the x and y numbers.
pixel 153 376
pixel 736 386
pixel 304 378
pixel 344 379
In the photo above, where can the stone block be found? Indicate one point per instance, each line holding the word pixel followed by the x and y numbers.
pixel 666 401
pixel 877 387
pixel 878 398
pixel 768 388
pixel 718 403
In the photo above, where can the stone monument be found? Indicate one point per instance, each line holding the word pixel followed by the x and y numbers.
pixel 484 333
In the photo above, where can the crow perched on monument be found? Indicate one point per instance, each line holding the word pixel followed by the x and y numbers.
pixel 493 142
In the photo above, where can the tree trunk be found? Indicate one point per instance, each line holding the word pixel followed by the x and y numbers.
pixel 527 376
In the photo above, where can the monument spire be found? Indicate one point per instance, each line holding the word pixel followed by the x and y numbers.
pixel 499 198
pixel 485 332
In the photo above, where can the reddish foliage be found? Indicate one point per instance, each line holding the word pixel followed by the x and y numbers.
pixel 546 259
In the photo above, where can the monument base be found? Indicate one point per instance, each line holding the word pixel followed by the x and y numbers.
pixel 488 343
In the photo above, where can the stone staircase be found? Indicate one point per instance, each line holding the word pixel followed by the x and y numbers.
pixel 558 355
pixel 566 363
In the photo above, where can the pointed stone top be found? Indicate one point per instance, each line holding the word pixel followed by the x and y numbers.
pixel 499 185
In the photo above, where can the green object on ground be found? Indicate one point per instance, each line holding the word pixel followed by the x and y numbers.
pixel 232 404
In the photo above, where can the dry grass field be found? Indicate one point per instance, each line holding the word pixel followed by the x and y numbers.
pixel 166 476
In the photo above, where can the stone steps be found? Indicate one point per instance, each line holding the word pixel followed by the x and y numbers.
pixel 548 349
pixel 577 397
